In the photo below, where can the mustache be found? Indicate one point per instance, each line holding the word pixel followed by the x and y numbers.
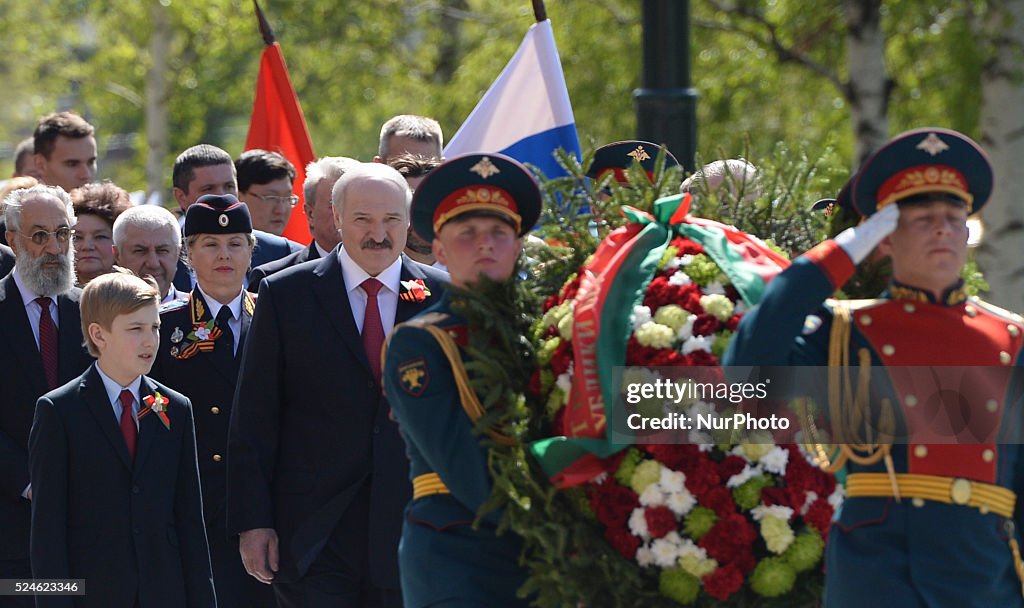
pixel 372 244
pixel 47 281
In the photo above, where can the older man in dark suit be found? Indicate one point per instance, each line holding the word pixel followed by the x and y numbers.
pixel 321 176
pixel 317 473
pixel 40 349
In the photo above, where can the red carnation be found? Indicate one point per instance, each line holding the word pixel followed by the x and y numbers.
pixel 573 286
pixel 550 302
pixel 613 503
pixel 686 246
pixel 705 325
pixel 660 521
pixel 667 358
pixel 733 322
pixel 776 496
pixel 732 293
pixel 638 354
pixel 678 457
pixel 718 499
pixel 730 539
pixel 561 359
pixel 551 331
pixel 820 516
pixel 723 582
pixel 659 293
pixel 535 387
pixel 732 465
pixel 703 357
pixel 688 296
pixel 622 541
pixel 701 479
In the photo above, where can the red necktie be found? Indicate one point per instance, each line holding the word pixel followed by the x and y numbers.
pixel 373 329
pixel 48 341
pixel 128 428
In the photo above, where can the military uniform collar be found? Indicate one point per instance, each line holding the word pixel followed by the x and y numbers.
pixel 953 296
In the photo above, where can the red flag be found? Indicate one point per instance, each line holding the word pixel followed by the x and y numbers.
pixel 277 124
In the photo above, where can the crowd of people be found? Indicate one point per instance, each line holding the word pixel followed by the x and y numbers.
pixel 256 422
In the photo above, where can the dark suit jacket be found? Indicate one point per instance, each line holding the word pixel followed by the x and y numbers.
pixel 6 260
pixel 269 247
pixel 261 272
pixel 131 530
pixel 22 382
pixel 310 427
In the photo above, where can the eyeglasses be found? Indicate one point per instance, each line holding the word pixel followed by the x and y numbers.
pixel 290 200
pixel 42 237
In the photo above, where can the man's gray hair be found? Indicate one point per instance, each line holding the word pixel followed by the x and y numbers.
pixel 16 200
pixel 151 218
pixel 368 171
pixel 419 128
pixel 329 168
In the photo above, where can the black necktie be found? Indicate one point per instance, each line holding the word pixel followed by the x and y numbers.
pixel 227 340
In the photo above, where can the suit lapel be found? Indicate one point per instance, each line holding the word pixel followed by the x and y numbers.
pixel 149 427
pixel 18 331
pixel 331 292
pixel 95 395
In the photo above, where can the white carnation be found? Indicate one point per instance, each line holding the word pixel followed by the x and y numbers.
pixel 696 343
pixel 681 503
pixel 638 524
pixel 652 496
pixel 671 481
pixel 740 478
pixel 666 550
pixel 644 557
pixel 680 279
pixel 775 461
pixel 641 315
pixel 761 511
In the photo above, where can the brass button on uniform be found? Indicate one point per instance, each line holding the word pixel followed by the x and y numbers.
pixel 960 491
pixel 921 451
pixel 215 410
pixel 217 458
pixel 988 455
pixel 917 502
pixel 865 319
pixel 992 405
pixel 909 307
pixel 1014 330
pixel 1004 357
pixel 888 350
pixel 971 311
pixel 910 400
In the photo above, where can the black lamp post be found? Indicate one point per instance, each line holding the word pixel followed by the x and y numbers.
pixel 666 105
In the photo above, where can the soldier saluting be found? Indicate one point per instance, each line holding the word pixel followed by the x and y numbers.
pixel 928 521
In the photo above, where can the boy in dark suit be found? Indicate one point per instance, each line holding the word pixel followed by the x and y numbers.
pixel 112 457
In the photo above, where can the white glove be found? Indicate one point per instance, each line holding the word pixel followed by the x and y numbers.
pixel 859 241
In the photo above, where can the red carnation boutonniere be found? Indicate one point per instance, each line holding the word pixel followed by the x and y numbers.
pixel 158 404
pixel 414 291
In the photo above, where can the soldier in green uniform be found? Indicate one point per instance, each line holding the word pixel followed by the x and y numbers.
pixel 474 209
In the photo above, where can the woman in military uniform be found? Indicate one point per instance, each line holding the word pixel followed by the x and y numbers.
pixel 201 340
pixel 475 210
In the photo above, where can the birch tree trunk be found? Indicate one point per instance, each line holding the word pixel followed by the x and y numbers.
pixel 157 115
pixel 1001 253
pixel 868 86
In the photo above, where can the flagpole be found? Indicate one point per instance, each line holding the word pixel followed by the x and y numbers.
pixel 265 31
pixel 539 12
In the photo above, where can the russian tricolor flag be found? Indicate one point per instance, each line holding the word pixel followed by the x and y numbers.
pixel 526 113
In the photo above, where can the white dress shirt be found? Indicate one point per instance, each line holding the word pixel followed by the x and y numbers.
pixel 235 306
pixel 387 297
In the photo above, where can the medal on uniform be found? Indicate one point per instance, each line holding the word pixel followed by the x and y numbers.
pixel 177 336
pixel 174 351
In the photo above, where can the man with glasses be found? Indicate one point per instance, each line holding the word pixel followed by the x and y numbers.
pixel 265 182
pixel 40 349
